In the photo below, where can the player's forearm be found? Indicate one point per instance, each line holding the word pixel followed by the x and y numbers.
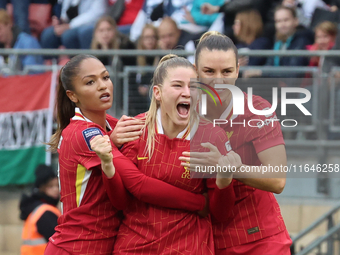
pixel 108 168
pixel 155 191
pixel 116 191
pixel 260 178
pixel 172 197
pixel 275 185
pixel 223 182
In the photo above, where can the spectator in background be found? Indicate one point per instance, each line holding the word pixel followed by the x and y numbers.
pixel 330 62
pixel 325 34
pixel 11 37
pixel 305 9
pixel 180 12
pixel 170 36
pixel 128 11
pixel 287 38
pixel 335 4
pixel 20 13
pixel 232 7
pixel 139 94
pixel 106 36
pixel 248 29
pixel 204 19
pixel 73 29
pixel 39 211
pixel 143 18
pixel 148 41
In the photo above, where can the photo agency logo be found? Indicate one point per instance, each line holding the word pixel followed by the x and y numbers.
pixel 238 102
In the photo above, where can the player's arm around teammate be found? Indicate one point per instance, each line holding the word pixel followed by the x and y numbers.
pixel 257 226
pixel 218 64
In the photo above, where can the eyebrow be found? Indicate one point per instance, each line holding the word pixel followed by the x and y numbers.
pixel 92 75
pixel 227 68
pixel 177 81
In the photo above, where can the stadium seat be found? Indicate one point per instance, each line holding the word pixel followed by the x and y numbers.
pixel 39 17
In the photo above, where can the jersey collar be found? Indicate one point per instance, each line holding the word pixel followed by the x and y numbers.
pixel 79 116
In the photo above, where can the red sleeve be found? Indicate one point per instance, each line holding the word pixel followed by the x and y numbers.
pixel 221 201
pixel 116 191
pixel 81 147
pixel 151 190
pixel 268 133
pixel 221 141
pixel 90 160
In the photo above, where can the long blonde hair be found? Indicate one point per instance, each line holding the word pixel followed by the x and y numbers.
pixel 115 42
pixel 167 62
pixel 141 60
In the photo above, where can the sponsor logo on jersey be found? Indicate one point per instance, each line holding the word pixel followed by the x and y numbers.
pixel 253 230
pixel 89 133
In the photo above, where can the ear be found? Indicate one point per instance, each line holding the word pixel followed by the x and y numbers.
pixel 157 92
pixel 72 96
pixel 196 69
pixel 238 69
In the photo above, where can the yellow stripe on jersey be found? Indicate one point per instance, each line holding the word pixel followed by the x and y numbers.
pixel 141 158
pixel 79 181
pixel 83 176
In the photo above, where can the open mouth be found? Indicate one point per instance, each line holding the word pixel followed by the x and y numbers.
pixel 105 97
pixel 183 109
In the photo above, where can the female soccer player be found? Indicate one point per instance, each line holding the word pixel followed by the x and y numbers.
pixel 256 225
pixel 149 229
pixel 89 221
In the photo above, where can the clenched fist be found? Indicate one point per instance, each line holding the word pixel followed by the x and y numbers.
pixel 101 145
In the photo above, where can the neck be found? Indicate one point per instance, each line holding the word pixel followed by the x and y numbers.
pixel 214 112
pixel 284 38
pixel 171 130
pixel 8 42
pixel 250 40
pixel 96 117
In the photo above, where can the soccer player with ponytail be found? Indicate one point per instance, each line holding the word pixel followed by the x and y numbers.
pixel 89 220
pixel 256 225
pixel 171 127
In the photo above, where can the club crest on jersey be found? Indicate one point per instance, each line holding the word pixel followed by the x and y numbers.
pixel 186 174
pixel 228 146
pixel 229 134
pixel 89 133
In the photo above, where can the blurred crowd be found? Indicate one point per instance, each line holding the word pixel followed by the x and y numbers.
pixel 170 24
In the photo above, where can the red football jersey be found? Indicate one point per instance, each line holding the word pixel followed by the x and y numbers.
pixel 256 213
pixel 150 229
pixel 89 221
